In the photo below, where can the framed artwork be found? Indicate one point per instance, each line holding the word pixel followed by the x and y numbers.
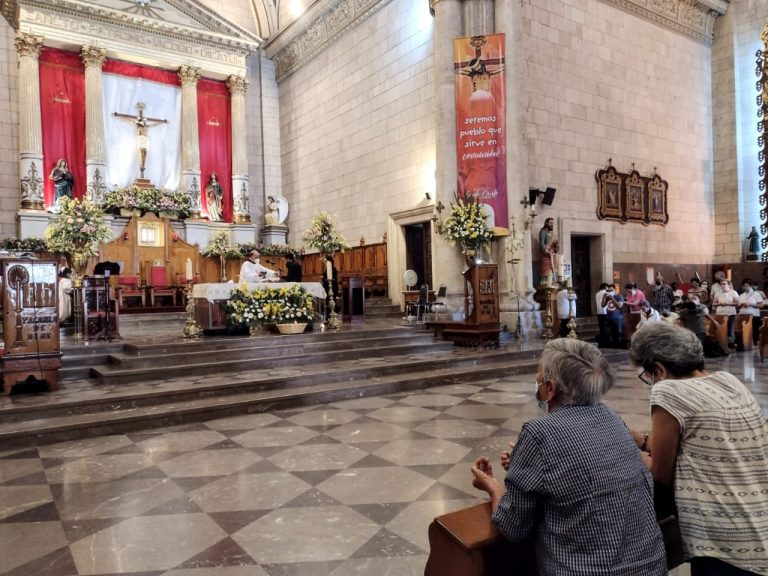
pixel 631 197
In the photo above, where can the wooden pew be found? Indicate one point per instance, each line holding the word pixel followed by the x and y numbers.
pixel 762 344
pixel 466 543
pixel 743 331
pixel 717 327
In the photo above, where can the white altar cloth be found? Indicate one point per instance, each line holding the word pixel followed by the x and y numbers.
pixel 222 291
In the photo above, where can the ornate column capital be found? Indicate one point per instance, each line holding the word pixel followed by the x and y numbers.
pixel 189 75
pixel 93 56
pixel 237 84
pixel 28 44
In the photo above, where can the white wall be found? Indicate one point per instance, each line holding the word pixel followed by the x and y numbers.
pixel 357 125
pixel 606 84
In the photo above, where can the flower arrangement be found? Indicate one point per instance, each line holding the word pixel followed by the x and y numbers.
pixel 148 200
pixel 221 247
pixel 31 244
pixel 269 306
pixel 467 224
pixel 118 198
pixel 78 227
pixel 324 236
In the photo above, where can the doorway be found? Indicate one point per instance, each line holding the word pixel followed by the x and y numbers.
pixel 581 271
pixel 418 251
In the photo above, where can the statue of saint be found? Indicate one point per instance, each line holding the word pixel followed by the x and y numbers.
pixel 548 246
pixel 214 195
pixel 754 241
pixel 62 182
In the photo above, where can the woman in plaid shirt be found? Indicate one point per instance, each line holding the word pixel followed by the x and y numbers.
pixel 576 483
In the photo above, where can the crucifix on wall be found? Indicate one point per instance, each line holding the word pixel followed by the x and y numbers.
pixel 143 124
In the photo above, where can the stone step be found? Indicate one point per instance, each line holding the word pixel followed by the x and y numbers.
pixel 131 416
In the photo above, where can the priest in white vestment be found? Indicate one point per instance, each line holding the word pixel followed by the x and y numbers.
pixel 253 271
pixel 65 295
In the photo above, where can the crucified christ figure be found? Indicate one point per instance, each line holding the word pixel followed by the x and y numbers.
pixel 143 124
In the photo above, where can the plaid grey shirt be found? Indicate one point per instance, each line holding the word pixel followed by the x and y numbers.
pixel 577 485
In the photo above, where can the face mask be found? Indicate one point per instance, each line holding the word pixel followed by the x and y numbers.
pixel 633 291
pixel 658 282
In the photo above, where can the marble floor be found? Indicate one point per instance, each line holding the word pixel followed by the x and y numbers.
pixel 329 490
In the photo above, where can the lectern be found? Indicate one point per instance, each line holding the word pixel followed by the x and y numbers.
pixel 30 322
pixel 481 309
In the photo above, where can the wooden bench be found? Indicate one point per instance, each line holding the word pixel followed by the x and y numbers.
pixel 466 543
pixel 743 331
pixel 717 328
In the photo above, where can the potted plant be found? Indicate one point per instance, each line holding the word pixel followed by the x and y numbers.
pixel 76 230
pixel 290 309
pixel 467 225
pixel 242 309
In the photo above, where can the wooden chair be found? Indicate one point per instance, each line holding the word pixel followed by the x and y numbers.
pixel 129 287
pixel 159 286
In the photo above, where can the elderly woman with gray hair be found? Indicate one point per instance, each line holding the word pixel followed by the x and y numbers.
pixel 710 442
pixel 576 482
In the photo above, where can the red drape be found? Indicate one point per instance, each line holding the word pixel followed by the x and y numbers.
pixel 141 71
pixel 214 132
pixel 62 104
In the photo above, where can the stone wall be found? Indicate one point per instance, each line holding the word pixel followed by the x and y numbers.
pixel 357 125
pixel 606 84
pixel 9 131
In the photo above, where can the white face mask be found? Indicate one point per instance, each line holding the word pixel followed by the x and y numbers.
pixel 543 406
pixel 633 291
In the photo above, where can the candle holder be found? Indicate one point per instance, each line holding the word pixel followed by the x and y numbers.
pixel 192 329
pixel 77 306
pixel 571 315
pixel 333 322
pixel 549 320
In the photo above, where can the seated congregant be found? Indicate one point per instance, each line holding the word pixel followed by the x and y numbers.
pixel 576 484
pixel 252 270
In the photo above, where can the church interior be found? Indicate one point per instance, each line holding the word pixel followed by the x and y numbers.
pixel 157 152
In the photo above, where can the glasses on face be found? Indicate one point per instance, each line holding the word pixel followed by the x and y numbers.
pixel 643 376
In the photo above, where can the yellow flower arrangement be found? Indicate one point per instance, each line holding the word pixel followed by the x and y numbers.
pixel 467 224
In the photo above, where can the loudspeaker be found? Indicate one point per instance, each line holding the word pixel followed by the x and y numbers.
pixel 549 196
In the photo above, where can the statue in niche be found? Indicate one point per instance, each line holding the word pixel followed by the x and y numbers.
pixel 277 210
pixel 548 247
pixel 62 182
pixel 214 195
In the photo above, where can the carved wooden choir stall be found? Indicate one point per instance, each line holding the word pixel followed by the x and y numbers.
pixel 30 322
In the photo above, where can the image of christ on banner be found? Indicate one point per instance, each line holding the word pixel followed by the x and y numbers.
pixel 480 123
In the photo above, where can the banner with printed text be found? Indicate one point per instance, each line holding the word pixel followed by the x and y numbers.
pixel 480 122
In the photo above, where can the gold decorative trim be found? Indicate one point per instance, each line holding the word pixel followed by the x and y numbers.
pixel 189 75
pixel 93 56
pixel 237 84
pixel 28 44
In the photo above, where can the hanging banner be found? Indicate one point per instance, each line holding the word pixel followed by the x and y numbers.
pixel 214 128
pixel 480 122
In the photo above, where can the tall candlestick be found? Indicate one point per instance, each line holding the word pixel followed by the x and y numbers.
pixel 188 270
pixel 328 270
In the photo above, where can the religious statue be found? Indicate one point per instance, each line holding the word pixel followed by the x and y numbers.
pixel 548 246
pixel 276 210
pixel 143 124
pixel 62 182
pixel 754 241
pixel 214 196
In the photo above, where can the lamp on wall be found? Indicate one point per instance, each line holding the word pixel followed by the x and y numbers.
pixel 437 222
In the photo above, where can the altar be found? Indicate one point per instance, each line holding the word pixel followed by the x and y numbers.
pixel 210 298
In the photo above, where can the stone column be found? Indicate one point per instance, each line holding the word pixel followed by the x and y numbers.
pixel 238 86
pixel 448 25
pixel 95 149
pixel 30 121
pixel 190 141
pixel 478 17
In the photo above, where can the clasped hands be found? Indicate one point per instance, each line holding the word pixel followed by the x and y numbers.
pixel 482 472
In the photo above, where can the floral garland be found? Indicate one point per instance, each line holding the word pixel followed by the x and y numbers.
pixel 31 244
pixel 268 249
pixel 467 225
pixel 148 199
pixel 324 236
pixel 269 306
pixel 78 227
